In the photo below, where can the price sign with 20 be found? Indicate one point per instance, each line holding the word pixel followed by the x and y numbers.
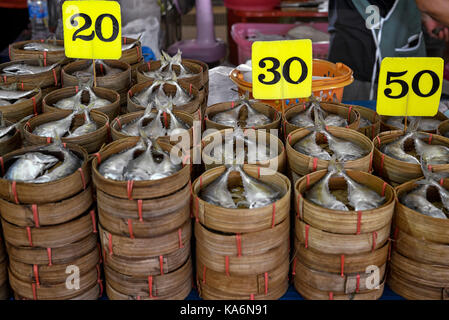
pixel 92 29
pixel 410 86
pixel 282 69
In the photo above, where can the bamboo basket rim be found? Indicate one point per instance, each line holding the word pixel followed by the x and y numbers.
pixel 20 44
pixel 30 77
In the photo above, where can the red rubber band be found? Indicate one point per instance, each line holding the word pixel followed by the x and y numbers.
pixel 149 65
pixel 129 188
pixel 55 77
pixel 94 222
pixel 258 172
pixel 82 178
pixel 238 240
pixel 45 58
pixel 33 286
pixel 331 296
pixel 110 244
pixel 251 296
pixel 48 140
pixel 190 90
pixel 349 113
pixel 49 257
pixel 430 138
pixel 29 236
pixel 139 209
pixel 197 210
pixel 118 122
pixel 378 141
pixel 101 68
pixel 266 283
pixel 315 164
pixel 307 180
pixel 384 187
pixel 307 236
pixel 298 203
pixel 150 286
pixel 161 264
pixel 441 181
pixel 4 79
pixel 357 288
pixel 98 156
pixel 359 221
pixel 429 167
pixel 371 162
pixel 374 240
pixel 130 93
pixel 124 40
pixel 232 105
pixel 181 245
pixel 14 192
pixel 273 218
pixel 34 105
pixel 227 265
pixel 35 215
pixel 2 164
pixel 36 274
pixel 342 265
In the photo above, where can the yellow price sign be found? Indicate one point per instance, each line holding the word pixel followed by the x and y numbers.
pixel 282 69
pixel 92 29
pixel 410 86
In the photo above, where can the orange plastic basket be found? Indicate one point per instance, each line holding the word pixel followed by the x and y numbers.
pixel 338 76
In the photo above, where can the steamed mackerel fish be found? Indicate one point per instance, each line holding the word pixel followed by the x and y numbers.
pixel 321 195
pixel 396 150
pixel 58 128
pixel 256 193
pixel 10 93
pixel 431 154
pixel 29 166
pixel 344 150
pixel 308 146
pixel 424 124
pixel 305 119
pixel 132 128
pixel 156 92
pixel 89 126
pixel 24 69
pixel 89 71
pixel 42 46
pixel 166 67
pixel 417 200
pixel 232 117
pixel 71 102
pixel 5 130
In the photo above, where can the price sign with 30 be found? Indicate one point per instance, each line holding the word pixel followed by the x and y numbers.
pixel 282 69
pixel 92 29
pixel 410 86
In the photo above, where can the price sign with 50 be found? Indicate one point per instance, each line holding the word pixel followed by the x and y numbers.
pixel 92 29
pixel 410 86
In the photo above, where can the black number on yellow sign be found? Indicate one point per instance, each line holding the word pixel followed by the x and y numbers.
pixel 415 84
pixel 285 70
pixel 98 31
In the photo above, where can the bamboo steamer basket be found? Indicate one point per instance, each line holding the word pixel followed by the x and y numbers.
pixel 209 293
pixel 399 171
pixel 4 291
pixel 302 164
pixel 335 263
pixel 134 54
pixel 122 120
pixel 421 273
pixel 258 284
pixel 47 256
pixel 205 75
pixel 119 82
pixel 91 142
pixel 373 130
pixel 157 217
pixel 346 111
pixel 54 291
pixel 263 108
pixel 183 290
pixel 111 110
pixel 139 248
pixel 47 214
pixel 334 282
pixel 162 286
pixel 50 236
pixel 417 224
pixel 43 80
pixel 16 52
pixel 134 69
pixel 242 265
pixel 145 229
pixel 345 222
pixel 421 250
pixel 18 111
pixel 242 245
pixel 310 293
pixel 38 193
pixel 91 294
pixel 13 142
pixel 196 79
pixel 56 273
pixel 443 128
pixel 192 107
pixel 241 220
pixel 414 291
pixel 386 127
pixel 151 265
pixel 332 243
pixel 217 138
pixel 139 189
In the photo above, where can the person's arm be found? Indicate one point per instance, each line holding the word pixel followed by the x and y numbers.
pixel 437 9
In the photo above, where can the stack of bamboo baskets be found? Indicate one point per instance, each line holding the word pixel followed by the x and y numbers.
pixel 145 231
pixel 242 253
pixel 419 267
pixel 50 233
pixel 4 288
pixel 341 254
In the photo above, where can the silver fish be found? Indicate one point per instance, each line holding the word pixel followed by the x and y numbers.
pixel 431 154
pixel 365 123
pixel 344 150
pixel 4 103
pixel 217 192
pixel 14 94
pixel 424 124
pixel 321 195
pixel 417 200
pixel 397 122
pixel 155 127
pixel 255 118
pixel 70 102
pixel 29 166
pixel 165 167
pixel 142 167
pixel 176 125
pixel 38 46
pixel 4 130
pixel 132 128
pixel 308 146
pixel 24 69
pixel 335 120
pixel 181 97
pixel 69 165
pixel 395 149
pixel 55 129
pixel 303 119
pixel 95 100
pixel 257 193
pixel 228 118
pixel 88 126
pixel 113 167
